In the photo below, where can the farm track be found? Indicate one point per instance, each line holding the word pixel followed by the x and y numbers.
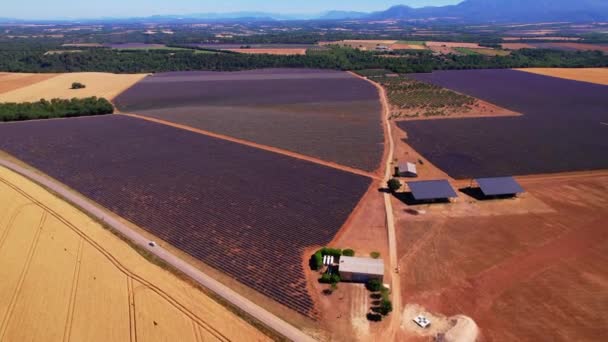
pixel 244 304
pixel 395 323
pixel 259 146
pixel 130 275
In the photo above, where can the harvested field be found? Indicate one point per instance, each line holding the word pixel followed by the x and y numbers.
pixel 560 119
pixel 241 210
pixel 482 51
pixel 591 75
pixel 286 52
pixel 136 46
pixel 328 115
pixel 255 46
pixel 572 46
pixel 61 271
pixel 517 46
pixel 532 275
pixel 453 45
pixel 12 81
pixel 400 46
pixel 59 86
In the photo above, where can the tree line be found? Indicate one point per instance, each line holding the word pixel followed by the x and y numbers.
pixel 33 59
pixel 55 108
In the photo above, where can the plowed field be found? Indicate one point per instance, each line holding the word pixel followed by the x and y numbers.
pixel 64 278
pixel 12 81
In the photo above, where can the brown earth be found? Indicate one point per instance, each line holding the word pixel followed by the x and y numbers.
pixel 61 271
pixel 529 268
pixel 479 109
pixel 285 52
pixel 591 75
pixel 408 47
pixel 59 86
pixel 583 47
pixel 517 46
pixel 12 81
pixel 453 45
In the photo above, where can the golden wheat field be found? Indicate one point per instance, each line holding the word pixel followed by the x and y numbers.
pixel 12 81
pixel 97 84
pixel 591 75
pixel 65 278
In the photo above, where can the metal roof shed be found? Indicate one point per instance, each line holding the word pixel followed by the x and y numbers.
pixel 360 269
pixel 431 190
pixel 407 169
pixel 499 186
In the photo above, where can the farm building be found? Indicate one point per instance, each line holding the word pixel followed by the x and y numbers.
pixel 357 269
pixel 432 190
pixel 499 186
pixel 406 170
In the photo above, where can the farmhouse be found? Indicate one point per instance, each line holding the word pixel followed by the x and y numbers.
pixel 358 269
pixel 406 169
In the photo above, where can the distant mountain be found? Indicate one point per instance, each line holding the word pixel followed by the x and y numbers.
pixel 343 15
pixel 505 11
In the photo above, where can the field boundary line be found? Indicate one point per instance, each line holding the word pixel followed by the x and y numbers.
pixel 258 146
pixel 70 317
pixel 26 267
pixel 262 315
pixel 131 303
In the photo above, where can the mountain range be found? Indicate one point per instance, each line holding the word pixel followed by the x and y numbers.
pixel 471 11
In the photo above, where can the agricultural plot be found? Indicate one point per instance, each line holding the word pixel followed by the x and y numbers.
pixel 562 127
pixel 591 75
pixel 97 84
pixel 244 211
pixel 12 81
pixel 64 277
pixel 414 100
pixel 571 46
pixel 328 115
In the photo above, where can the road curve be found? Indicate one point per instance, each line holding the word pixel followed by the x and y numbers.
pixel 270 320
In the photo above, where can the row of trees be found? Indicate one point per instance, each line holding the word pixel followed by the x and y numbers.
pixel 33 59
pixel 55 108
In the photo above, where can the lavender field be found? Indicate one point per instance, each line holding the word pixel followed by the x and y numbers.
pixel 329 115
pixel 243 211
pixel 563 127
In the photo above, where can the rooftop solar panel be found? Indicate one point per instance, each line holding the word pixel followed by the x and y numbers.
pixel 430 190
pixel 499 186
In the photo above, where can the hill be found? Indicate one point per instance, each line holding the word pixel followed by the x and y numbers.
pixel 505 11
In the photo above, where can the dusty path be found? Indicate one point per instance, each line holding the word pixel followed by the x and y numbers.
pixel 203 279
pixel 395 323
pixel 262 147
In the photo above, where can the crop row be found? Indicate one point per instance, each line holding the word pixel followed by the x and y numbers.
pixel 246 212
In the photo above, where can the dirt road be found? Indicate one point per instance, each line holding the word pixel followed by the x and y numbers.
pixel 226 293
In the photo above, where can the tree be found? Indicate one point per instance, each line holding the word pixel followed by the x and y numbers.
pixel 394 184
pixel 348 252
pixel 317 261
pixel 374 255
pixel 374 285
pixel 78 85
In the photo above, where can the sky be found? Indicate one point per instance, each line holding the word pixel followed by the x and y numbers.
pixel 52 9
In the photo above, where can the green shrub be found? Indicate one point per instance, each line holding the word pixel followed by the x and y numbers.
pixel 78 85
pixel 317 261
pixel 386 306
pixel 334 286
pixel 374 317
pixel 374 255
pixel 348 252
pixel 335 278
pixel 374 285
pixel 394 184
pixel 55 108
pixel 325 278
pixel 335 252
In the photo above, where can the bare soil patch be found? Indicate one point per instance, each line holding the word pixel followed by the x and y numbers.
pixel 286 52
pixel 515 281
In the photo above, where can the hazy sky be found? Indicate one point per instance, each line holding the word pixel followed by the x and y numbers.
pixel 126 8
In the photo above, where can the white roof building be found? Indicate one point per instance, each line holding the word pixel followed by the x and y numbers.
pixel 360 269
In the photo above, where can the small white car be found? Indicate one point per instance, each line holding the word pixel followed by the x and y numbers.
pixel 152 244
